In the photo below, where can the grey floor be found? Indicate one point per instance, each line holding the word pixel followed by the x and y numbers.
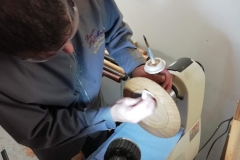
pixel 13 149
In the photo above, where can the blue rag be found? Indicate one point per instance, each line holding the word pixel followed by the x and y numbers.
pixel 152 147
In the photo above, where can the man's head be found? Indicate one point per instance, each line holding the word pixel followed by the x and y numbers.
pixel 36 29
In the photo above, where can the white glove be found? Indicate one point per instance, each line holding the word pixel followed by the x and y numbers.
pixel 133 110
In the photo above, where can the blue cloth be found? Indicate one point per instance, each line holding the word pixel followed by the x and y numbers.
pixel 152 147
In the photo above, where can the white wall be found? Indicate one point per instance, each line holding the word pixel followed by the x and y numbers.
pixel 205 30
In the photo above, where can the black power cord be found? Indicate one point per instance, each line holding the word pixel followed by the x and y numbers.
pixel 228 120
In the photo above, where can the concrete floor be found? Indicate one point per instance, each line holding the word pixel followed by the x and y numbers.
pixel 14 150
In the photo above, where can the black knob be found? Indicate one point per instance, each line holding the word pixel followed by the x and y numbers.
pixel 122 149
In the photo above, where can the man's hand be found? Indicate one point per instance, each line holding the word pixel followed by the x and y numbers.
pixel 132 110
pixel 163 78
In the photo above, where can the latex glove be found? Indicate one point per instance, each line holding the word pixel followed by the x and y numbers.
pixel 133 110
pixel 163 78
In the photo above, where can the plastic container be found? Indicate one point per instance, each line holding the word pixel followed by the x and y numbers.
pixel 157 67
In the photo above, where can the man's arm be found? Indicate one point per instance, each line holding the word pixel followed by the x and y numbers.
pixel 164 78
pixel 41 127
pixel 119 46
pixel 117 37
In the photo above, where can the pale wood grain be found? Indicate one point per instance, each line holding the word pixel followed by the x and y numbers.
pixel 115 67
pixel 233 146
pixel 166 121
pixel 237 112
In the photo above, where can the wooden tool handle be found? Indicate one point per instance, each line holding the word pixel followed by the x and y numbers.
pixel 143 52
pixel 106 52
pixel 123 76
pixel 145 57
pixel 112 76
pixel 110 59
pixel 114 66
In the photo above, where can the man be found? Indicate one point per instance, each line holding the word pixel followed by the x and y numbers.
pixel 51 60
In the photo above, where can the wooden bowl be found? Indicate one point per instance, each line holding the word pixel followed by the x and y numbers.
pixel 165 121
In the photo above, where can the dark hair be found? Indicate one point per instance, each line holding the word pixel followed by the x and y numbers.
pixel 32 27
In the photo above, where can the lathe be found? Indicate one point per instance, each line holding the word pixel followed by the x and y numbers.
pixel 189 80
pixel 176 123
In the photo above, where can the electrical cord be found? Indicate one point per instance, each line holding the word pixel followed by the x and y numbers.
pixel 228 120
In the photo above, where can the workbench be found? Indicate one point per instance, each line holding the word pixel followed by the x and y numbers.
pixel 232 147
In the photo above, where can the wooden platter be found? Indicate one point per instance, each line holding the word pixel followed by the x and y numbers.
pixel 165 121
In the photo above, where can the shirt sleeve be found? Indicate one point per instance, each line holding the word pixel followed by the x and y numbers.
pixel 118 38
pixel 40 127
